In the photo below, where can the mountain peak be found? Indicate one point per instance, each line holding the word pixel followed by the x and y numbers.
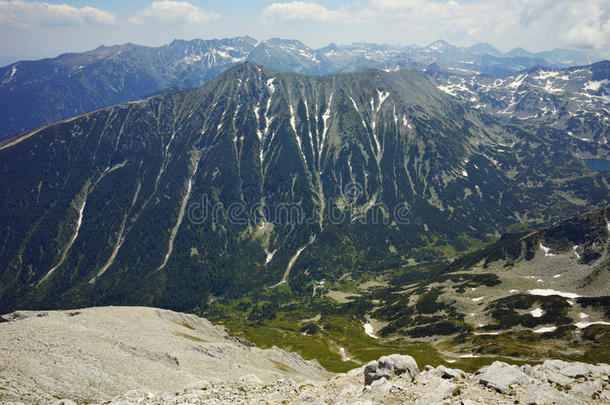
pixel 248 131
pixel 439 45
pixel 519 52
pixel 278 41
pixel 483 48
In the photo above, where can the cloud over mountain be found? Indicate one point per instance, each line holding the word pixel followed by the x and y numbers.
pixel 19 13
pixel 305 11
pixel 538 22
pixel 174 12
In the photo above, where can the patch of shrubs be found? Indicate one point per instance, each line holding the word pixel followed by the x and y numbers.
pixel 392 312
pixel 423 319
pixel 596 302
pixel 310 328
pixel 504 311
pixel 428 304
pixel 442 328
pixel 597 333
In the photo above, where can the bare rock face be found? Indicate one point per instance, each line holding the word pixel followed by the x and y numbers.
pixel 448 373
pixel 501 377
pixel 95 354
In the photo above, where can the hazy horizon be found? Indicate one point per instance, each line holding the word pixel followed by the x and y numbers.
pixel 32 30
pixel 398 45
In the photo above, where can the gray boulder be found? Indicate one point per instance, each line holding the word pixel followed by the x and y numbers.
pixel 381 386
pixel 546 395
pixel 389 366
pixel 587 389
pixel 572 370
pixel 437 390
pixel 356 372
pixel 556 377
pixel 501 377
pixel 447 373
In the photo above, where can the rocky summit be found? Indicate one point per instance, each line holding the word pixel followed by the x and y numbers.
pixel 123 355
pixel 94 354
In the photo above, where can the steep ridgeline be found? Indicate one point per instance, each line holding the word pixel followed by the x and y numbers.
pixel 35 93
pixel 485 59
pixel 585 239
pixel 575 100
pixel 261 178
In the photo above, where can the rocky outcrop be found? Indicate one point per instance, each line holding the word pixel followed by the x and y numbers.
pixel 395 379
pixel 499 383
pixel 390 366
pixel 122 355
pixel 502 377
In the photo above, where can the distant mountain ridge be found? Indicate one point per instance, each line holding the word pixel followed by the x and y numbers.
pixel 574 99
pixel 35 93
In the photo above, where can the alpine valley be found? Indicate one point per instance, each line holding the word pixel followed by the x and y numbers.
pixel 458 217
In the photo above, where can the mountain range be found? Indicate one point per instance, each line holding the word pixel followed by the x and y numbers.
pixel 575 100
pixel 345 203
pixel 35 93
pixel 263 179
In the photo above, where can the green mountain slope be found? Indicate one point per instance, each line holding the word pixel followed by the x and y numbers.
pixel 263 178
pixel 524 298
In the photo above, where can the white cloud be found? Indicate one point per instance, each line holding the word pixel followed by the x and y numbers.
pixel 445 17
pixel 305 11
pixel 537 23
pixel 173 12
pixel 19 13
pixel 585 36
pixel 534 24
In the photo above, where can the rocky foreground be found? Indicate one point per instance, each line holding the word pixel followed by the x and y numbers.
pixel 122 355
pixel 396 379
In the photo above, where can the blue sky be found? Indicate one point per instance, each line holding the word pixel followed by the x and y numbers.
pixel 36 29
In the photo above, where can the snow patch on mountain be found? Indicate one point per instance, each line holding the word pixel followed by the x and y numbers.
pixel 595 85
